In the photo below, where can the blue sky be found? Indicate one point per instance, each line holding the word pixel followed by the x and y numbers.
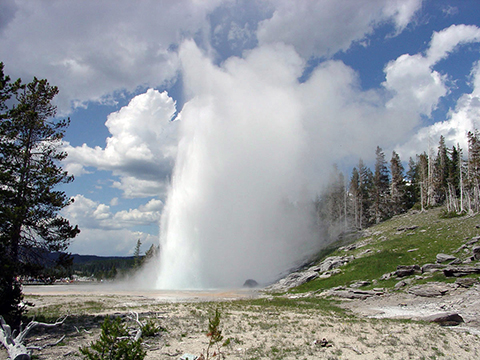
pixel 356 74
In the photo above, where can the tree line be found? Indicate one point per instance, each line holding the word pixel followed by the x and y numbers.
pixel 443 176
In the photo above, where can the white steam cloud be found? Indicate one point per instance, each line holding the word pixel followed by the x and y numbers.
pixel 235 209
pixel 256 145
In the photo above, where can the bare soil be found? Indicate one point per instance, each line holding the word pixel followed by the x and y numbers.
pixel 369 330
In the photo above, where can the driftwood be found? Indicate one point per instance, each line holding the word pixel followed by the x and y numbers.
pixel 15 344
pixel 134 316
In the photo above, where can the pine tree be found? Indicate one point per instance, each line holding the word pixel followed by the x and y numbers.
pixel 366 190
pixel 381 185
pixel 473 171
pixel 441 172
pixel 397 187
pixel 412 188
pixel 29 171
pixel 423 179
pixel 136 254
pixel 355 198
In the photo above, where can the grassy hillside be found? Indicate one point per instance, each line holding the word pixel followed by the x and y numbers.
pixel 412 238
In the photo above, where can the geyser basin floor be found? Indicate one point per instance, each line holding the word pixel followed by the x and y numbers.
pixel 259 329
pixel 156 295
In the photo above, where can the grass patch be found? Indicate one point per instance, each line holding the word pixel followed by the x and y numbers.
pixel 395 242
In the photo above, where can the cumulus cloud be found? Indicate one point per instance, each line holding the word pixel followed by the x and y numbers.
pixel 99 48
pixel 120 242
pixel 141 149
pixel 90 214
pixel 416 85
pixel 109 233
pixel 461 120
pixel 322 28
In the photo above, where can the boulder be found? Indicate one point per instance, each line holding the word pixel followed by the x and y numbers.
pixel 405 228
pixel 476 252
pixel 457 271
pixel 443 258
pixel 332 262
pixel 429 290
pixel 445 319
pixel 360 283
pixel 431 268
pixel 407 270
pixel 466 282
pixel 354 294
pixel 250 283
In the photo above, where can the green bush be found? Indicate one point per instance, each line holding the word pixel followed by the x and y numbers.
pixel 115 343
pixel 151 328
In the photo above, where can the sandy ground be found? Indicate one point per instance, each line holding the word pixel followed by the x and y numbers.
pixel 267 331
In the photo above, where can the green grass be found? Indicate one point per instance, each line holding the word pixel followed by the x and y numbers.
pixel 389 248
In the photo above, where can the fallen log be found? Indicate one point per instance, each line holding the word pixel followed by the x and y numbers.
pixel 15 345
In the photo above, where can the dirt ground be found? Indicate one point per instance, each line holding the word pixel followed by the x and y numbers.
pixel 369 329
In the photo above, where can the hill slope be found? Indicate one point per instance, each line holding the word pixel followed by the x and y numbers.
pixel 415 238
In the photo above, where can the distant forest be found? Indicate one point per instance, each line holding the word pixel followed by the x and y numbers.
pixel 444 176
pixel 92 267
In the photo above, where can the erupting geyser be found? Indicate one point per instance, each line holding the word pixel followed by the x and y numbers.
pixel 235 209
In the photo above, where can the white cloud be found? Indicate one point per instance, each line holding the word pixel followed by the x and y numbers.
pixel 90 214
pixel 108 233
pixel 141 149
pixel 416 87
pixel 445 41
pixel 100 48
pixel 322 28
pixel 462 119
pixel 119 242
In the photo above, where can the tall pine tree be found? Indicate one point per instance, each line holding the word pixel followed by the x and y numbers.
pixel 30 138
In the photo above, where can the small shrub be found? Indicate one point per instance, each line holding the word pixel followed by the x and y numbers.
pixel 214 333
pixel 115 343
pixel 151 328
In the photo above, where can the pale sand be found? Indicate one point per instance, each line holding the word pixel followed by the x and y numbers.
pixel 256 332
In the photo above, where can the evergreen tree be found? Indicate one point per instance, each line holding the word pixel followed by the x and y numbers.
pixel 366 190
pixel 473 176
pixel 136 254
pixel 381 185
pixel 397 187
pixel 330 205
pixel 441 172
pixel 423 179
pixel 355 198
pixel 29 156
pixel 412 188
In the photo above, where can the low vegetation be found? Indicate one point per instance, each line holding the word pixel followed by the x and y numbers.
pixel 389 244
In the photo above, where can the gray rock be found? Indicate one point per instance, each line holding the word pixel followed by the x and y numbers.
pixel 457 271
pixel 466 282
pixel 250 283
pixel 431 268
pixel 354 294
pixel 429 290
pixel 405 228
pixel 443 258
pixel 407 270
pixel 445 319
pixel 387 276
pixel 476 252
pixel 359 284
pixel 474 240
pixel 333 262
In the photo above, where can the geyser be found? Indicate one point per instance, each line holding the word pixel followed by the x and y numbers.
pixel 237 208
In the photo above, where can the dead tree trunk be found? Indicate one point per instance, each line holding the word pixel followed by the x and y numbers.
pixel 15 345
